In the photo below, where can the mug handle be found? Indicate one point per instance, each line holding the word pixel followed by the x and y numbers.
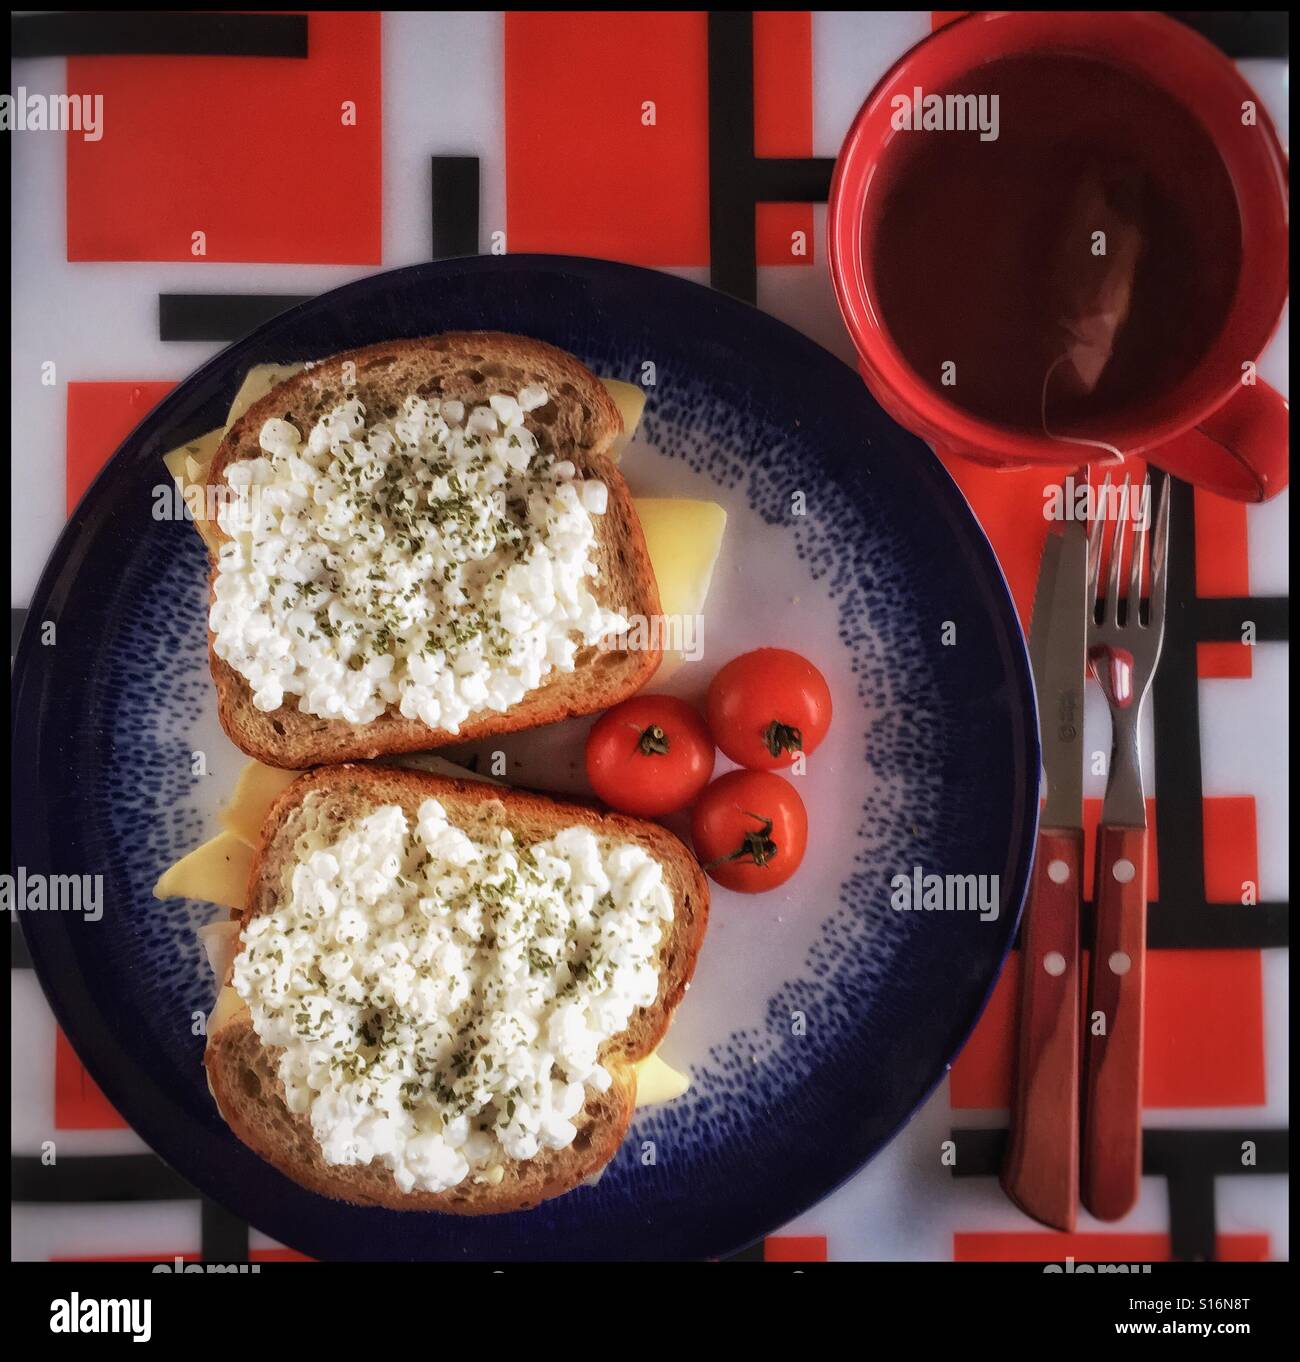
pixel 1241 451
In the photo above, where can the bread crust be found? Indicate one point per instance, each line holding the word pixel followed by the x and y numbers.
pixel 242 1073
pixel 471 366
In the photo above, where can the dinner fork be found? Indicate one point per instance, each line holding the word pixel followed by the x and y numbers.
pixel 1123 651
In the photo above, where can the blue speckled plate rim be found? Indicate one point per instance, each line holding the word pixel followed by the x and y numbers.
pixel 99 1050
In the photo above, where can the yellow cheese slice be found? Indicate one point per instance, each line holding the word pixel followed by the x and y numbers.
pixel 658 1082
pixel 684 539
pixel 630 401
pixel 229 1007
pixel 188 464
pixel 216 872
pixel 197 452
pixel 257 383
pixel 257 788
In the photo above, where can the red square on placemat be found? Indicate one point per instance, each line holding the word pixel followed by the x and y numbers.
pixel 1203 1029
pixel 1222 558
pixel 795 1248
pixel 1231 853
pixel 783 122
pixel 607 132
pixel 130 1258
pixel 1222 569
pixel 1224 661
pixel 262 155
pixel 100 417
pixel 1203 1034
pixel 783 233
pixel 78 1102
pixel 1037 1247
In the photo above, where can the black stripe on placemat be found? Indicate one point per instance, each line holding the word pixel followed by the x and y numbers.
pixel 1183 918
pixel 732 235
pixel 1218 619
pixel 1241 33
pixel 738 179
pixel 224 1236
pixel 454 206
pixel 1172 925
pixel 219 316
pixel 1175 926
pixel 793 180
pixel 96 1178
pixel 978 1153
pixel 1188 1160
pixel 173 33
pixel 1177 724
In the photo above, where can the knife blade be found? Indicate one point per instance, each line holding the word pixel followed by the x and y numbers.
pixel 1058 646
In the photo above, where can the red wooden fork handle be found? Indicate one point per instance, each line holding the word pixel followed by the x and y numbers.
pixel 1112 1096
pixel 1041 1170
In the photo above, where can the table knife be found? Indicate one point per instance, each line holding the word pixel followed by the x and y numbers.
pixel 1041 1170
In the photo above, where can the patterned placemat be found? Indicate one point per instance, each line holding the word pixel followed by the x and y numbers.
pixel 710 155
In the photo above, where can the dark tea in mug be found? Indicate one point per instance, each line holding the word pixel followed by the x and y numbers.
pixel 1071 267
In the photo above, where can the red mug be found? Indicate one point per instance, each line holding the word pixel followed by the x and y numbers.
pixel 1210 427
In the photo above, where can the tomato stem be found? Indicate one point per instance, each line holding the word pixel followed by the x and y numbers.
pixel 781 737
pixel 757 846
pixel 653 742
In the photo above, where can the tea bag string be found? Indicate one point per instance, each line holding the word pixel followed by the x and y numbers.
pixel 1073 439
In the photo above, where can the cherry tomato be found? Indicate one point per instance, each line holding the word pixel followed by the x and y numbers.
pixel 750 829
pixel 766 707
pixel 650 755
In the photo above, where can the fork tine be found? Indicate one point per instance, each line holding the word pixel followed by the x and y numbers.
pixel 1094 541
pixel 1141 533
pixel 1160 559
pixel 1117 553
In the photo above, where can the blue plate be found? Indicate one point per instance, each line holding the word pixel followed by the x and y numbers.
pixel 820 1017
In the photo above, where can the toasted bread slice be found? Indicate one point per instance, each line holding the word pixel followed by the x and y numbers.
pixel 581 423
pixel 243 1075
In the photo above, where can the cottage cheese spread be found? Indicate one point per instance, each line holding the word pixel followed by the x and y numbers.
pixel 441 1002
pixel 437 564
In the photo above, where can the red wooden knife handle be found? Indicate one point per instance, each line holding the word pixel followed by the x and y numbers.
pixel 1112 1096
pixel 1041 1170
